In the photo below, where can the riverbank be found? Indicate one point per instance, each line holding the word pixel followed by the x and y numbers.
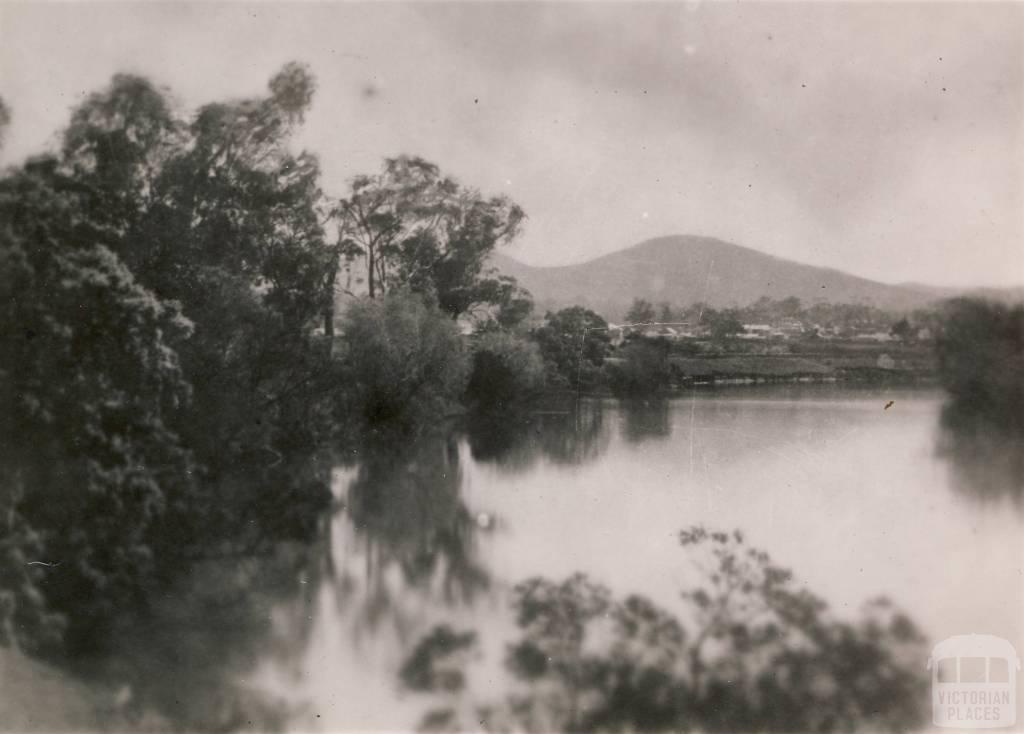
pixel 686 365
pixel 749 368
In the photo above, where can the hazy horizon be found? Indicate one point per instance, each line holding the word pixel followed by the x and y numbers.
pixel 882 140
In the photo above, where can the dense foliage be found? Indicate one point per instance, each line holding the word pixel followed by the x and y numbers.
pixel 404 362
pixel 413 227
pixel 574 343
pixel 507 371
pixel 641 368
pixel 167 295
pixel 89 383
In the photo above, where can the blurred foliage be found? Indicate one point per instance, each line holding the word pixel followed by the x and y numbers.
pixel 433 664
pixel 751 652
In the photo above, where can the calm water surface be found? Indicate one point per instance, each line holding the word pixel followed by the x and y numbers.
pixel 853 497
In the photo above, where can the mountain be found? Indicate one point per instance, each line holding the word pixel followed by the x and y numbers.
pixel 684 269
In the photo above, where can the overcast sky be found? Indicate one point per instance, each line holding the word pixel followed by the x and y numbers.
pixel 882 139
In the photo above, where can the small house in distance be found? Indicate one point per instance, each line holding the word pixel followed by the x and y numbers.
pixel 756 331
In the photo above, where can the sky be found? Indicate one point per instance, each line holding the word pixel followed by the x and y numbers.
pixel 880 139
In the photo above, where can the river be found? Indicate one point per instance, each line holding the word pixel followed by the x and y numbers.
pixel 848 488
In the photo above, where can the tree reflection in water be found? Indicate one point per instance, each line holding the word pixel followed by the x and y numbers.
pixel 987 460
pixel 183 663
pixel 406 508
pixel 516 442
pixel 227 648
pixel 980 351
pixel 755 653
pixel 646 419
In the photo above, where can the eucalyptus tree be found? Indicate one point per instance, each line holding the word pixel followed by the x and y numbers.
pixel 414 227
pixel 217 212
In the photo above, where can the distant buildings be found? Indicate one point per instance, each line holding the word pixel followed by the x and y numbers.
pixel 780 329
pixel 873 336
pixel 756 331
pixel 673 330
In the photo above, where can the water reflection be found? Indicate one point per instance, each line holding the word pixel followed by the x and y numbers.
pixel 980 353
pixel 645 419
pixel 185 664
pixel 183 659
pixel 406 507
pixel 986 458
pixel 515 444
pixel 241 642
pixel 400 549
pixel 320 626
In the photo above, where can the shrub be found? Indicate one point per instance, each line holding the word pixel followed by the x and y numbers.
pixel 404 361
pixel 574 343
pixel 643 368
pixel 506 370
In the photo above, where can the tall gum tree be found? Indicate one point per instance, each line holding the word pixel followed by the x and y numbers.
pixel 414 227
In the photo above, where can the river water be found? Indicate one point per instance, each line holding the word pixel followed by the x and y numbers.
pixel 855 497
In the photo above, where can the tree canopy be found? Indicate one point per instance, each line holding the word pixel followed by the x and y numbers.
pixel 574 343
pixel 414 227
pixel 160 280
pixel 640 312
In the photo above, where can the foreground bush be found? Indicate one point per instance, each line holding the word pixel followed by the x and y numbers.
pixel 751 651
pixel 88 464
pixel 160 278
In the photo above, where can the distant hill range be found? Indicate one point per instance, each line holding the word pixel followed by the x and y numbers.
pixel 685 269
